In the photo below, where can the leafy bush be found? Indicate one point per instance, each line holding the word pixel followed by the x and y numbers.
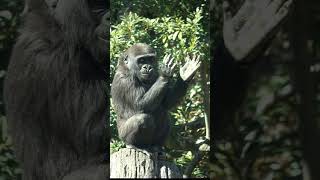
pixel 8 166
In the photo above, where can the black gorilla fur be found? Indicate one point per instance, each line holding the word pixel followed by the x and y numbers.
pixel 55 90
pixel 142 104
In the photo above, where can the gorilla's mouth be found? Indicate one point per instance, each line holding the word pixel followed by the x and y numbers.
pixel 146 76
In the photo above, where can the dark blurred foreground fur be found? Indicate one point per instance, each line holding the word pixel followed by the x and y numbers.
pixel 55 90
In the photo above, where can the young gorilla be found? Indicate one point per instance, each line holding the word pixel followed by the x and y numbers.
pixel 55 90
pixel 142 97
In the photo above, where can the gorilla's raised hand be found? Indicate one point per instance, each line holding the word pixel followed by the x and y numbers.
pixel 190 67
pixel 254 23
pixel 168 66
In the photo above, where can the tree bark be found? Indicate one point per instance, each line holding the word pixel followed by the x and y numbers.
pixel 133 163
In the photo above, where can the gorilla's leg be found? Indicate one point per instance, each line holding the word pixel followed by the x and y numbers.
pixel 138 130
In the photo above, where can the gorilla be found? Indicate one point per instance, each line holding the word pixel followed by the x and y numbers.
pixel 142 96
pixel 55 90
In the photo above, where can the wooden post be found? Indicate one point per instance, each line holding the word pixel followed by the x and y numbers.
pixel 133 163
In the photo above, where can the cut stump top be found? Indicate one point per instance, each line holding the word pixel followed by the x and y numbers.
pixel 133 163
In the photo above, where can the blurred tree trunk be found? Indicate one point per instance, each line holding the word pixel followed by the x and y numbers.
pixel 306 86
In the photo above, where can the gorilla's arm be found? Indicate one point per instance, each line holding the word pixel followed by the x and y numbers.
pixel 175 93
pixel 126 93
pixel 179 89
pixel 153 97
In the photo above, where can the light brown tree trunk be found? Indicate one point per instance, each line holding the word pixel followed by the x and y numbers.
pixel 132 163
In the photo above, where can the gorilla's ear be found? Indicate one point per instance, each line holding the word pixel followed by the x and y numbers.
pixel 123 59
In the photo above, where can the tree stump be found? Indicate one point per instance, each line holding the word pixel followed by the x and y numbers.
pixel 133 163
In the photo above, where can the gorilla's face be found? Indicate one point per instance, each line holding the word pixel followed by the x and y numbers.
pixel 97 8
pixel 146 67
pixel 141 61
pixel 82 22
pixel 93 13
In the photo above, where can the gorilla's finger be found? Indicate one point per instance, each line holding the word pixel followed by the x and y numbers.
pixel 165 59
pixel 188 58
pixel 198 63
pixel 194 57
pixel 170 62
pixel 174 65
pixel 198 59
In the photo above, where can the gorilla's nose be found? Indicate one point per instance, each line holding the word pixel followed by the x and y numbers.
pixel 149 69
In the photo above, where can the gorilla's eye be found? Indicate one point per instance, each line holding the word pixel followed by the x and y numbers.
pixel 142 60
